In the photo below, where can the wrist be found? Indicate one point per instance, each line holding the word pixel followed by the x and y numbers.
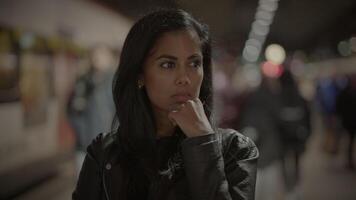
pixel 200 132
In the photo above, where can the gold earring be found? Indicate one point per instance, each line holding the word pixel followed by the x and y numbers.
pixel 140 85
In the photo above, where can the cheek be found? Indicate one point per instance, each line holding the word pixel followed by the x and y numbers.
pixel 157 89
pixel 198 80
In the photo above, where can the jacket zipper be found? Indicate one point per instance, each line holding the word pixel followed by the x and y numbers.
pixel 104 185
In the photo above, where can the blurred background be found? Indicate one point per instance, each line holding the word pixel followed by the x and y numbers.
pixel 284 75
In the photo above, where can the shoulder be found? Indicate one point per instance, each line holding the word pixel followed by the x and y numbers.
pixel 101 146
pixel 237 146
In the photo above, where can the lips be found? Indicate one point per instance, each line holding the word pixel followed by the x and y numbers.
pixel 181 97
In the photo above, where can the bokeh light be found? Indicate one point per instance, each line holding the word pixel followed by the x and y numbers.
pixel 275 53
pixel 271 69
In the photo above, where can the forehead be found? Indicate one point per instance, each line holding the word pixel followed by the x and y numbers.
pixel 185 40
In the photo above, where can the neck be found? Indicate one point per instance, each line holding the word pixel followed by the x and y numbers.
pixel 164 126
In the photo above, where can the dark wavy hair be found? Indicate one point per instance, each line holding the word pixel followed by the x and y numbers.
pixel 134 115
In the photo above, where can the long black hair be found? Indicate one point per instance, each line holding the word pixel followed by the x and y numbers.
pixel 137 128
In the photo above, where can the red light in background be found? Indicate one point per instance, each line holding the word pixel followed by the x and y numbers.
pixel 272 70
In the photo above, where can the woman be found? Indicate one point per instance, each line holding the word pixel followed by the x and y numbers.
pixel 165 146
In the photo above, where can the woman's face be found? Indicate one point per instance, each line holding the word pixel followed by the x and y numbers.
pixel 173 70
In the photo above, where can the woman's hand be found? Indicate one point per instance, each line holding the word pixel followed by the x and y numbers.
pixel 191 118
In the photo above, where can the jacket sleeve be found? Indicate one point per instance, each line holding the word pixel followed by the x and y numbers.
pixel 220 166
pixel 89 184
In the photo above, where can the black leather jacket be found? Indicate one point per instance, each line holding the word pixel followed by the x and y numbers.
pixel 219 166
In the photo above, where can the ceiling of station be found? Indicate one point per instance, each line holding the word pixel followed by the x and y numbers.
pixel 297 24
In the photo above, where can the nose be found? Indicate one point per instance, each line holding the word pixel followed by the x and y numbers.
pixel 182 77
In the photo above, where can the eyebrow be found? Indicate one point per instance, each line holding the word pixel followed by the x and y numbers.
pixel 196 55
pixel 166 56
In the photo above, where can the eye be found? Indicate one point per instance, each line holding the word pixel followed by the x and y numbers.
pixel 196 64
pixel 167 64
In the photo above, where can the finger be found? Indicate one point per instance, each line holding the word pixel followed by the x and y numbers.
pixel 191 102
pixel 177 107
pixel 175 112
pixel 197 100
pixel 194 103
pixel 174 108
pixel 172 120
pixel 171 117
pixel 181 106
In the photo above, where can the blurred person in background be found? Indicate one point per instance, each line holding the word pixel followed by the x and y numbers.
pixel 260 121
pixel 90 107
pixel 165 146
pixel 295 128
pixel 326 92
pixel 234 97
pixel 346 109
